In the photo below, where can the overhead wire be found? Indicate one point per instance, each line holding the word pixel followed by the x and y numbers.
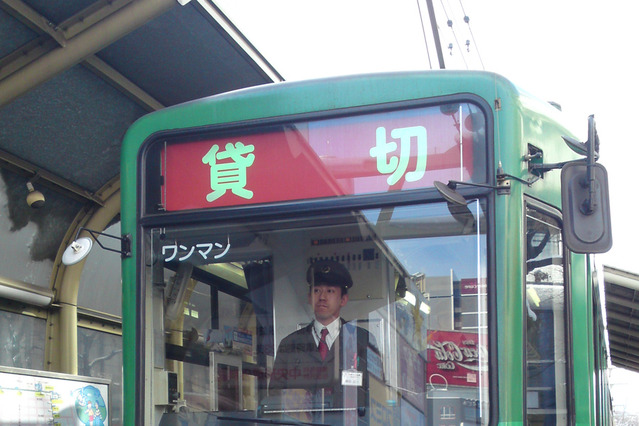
pixel 450 25
pixel 421 18
pixel 470 30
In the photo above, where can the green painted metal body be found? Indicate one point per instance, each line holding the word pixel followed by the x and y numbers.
pixel 518 120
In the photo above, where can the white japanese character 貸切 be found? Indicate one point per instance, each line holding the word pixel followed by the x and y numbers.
pixel 228 169
pixel 396 165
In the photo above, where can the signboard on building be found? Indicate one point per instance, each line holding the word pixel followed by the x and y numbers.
pixel 456 359
pixel 469 286
pixel 39 397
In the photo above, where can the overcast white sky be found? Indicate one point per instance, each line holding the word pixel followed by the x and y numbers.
pixel 580 54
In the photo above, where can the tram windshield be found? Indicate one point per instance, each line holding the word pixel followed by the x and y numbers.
pixel 238 310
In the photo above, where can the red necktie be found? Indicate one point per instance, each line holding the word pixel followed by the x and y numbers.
pixel 323 347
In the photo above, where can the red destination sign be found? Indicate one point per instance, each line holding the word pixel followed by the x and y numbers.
pixel 362 154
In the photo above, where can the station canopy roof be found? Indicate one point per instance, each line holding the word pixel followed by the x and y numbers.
pixel 622 312
pixel 75 74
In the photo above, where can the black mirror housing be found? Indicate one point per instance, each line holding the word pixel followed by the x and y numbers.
pixel 586 207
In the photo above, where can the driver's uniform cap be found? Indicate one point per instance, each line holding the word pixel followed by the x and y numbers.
pixel 329 272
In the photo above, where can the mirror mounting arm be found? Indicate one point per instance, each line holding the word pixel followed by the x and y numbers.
pixel 546 167
pixel 592 144
pixel 125 241
pixel 502 177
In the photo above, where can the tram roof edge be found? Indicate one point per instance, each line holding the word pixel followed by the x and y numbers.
pixel 288 98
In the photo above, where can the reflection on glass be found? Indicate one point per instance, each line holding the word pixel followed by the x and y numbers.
pixel 100 284
pixel 232 293
pixel 227 377
pixel 100 355
pixel 370 152
pixel 22 341
pixel 546 358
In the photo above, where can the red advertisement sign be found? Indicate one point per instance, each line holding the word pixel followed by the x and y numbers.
pixel 456 359
pixel 473 286
pixel 362 154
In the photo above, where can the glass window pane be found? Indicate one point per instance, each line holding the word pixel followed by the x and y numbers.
pixel 22 341
pixel 243 307
pixel 546 357
pixel 32 237
pixel 101 282
pixel 100 355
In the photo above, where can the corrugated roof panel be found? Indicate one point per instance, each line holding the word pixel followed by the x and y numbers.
pixel 181 56
pixel 58 11
pixel 72 126
pixel 13 34
pixel 622 310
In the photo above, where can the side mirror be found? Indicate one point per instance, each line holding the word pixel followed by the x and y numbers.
pixel 586 207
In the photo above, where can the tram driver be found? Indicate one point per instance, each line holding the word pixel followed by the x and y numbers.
pixel 323 366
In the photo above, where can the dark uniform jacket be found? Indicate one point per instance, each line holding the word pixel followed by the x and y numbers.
pixel 298 365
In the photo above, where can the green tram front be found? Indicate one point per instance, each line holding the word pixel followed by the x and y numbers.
pixel 253 209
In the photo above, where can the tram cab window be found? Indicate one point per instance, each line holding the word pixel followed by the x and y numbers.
pixel 227 295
